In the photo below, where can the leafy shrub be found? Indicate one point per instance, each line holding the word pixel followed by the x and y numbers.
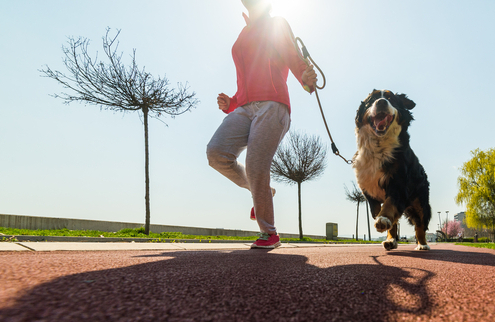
pixel 132 232
pixel 172 234
pixel 484 240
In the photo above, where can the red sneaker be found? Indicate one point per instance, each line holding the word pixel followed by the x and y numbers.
pixel 267 241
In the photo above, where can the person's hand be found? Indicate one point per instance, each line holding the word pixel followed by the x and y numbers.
pixel 223 101
pixel 309 76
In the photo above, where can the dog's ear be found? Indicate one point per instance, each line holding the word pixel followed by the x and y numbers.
pixel 362 109
pixel 360 113
pixel 409 104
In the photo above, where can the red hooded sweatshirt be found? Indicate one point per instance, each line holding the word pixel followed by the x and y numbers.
pixel 263 54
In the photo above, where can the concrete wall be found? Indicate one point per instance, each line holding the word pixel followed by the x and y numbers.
pixel 33 222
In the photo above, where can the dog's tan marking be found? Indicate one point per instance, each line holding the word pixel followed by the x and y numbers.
pixel 392 233
pixel 419 226
pixel 391 242
pixel 387 217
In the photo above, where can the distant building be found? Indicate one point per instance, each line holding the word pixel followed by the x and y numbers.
pixel 431 237
pixel 460 217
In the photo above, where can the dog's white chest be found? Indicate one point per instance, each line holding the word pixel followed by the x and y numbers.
pixel 370 177
pixel 368 163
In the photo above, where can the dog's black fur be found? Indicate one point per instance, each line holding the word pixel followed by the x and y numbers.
pixel 387 170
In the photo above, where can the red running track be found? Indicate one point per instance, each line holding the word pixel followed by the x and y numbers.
pixel 448 283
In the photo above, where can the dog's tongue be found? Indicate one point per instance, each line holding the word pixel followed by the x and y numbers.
pixel 382 121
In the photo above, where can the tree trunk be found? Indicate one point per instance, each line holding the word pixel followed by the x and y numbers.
pixel 368 216
pixel 357 218
pixel 147 171
pixel 300 212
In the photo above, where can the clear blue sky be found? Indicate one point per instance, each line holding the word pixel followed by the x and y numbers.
pixel 76 161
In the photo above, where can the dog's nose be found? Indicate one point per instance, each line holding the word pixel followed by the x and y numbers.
pixel 381 103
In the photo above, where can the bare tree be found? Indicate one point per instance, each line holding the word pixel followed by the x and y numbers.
pixel 301 158
pixel 113 86
pixel 356 196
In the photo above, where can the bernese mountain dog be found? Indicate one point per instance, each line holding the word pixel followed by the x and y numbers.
pixel 387 170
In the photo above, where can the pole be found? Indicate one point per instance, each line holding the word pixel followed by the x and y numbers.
pixel 368 216
pixel 446 223
pixel 300 211
pixel 357 218
pixel 147 172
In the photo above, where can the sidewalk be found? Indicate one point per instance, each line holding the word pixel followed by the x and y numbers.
pixel 93 246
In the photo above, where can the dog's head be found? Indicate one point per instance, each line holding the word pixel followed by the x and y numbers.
pixel 381 110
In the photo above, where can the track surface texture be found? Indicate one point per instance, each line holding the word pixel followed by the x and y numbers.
pixel 448 283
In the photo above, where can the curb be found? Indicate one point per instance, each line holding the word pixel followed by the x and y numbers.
pixel 77 239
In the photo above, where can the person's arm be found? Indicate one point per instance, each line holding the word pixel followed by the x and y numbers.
pixel 286 47
pixel 226 103
pixel 309 78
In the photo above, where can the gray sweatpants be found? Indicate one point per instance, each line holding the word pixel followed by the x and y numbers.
pixel 259 127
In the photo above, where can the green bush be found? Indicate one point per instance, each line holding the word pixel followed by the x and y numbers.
pixel 484 240
pixel 132 232
pixel 177 235
pixel 478 245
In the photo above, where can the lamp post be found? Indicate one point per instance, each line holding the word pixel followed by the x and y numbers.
pixel 446 222
pixel 439 221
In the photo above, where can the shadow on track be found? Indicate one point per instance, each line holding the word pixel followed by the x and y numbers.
pixel 470 256
pixel 228 286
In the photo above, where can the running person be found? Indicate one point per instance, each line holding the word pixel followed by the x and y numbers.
pixel 259 113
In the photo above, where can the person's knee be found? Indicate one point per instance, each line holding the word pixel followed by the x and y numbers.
pixel 217 157
pixel 212 153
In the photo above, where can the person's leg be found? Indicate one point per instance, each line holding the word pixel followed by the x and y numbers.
pixel 228 142
pixel 252 216
pixel 270 123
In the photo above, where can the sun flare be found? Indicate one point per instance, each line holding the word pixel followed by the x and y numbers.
pixel 286 8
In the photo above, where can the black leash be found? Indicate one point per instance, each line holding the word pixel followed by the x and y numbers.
pixel 307 56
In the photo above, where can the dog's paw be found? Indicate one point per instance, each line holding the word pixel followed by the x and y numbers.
pixel 390 244
pixel 382 224
pixel 422 247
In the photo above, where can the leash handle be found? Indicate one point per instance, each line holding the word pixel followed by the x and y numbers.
pixel 305 52
pixel 306 57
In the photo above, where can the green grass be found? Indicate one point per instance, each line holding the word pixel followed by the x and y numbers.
pixel 139 233
pixel 479 245
pixel 124 233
